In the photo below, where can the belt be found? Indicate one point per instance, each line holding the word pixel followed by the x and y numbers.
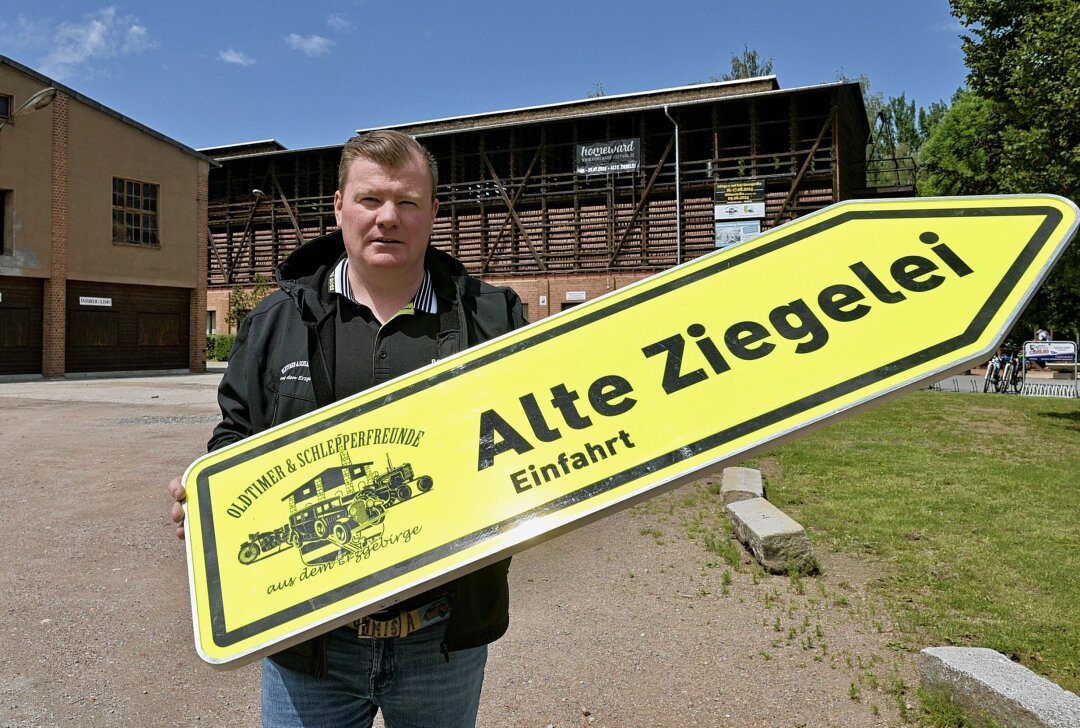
pixel 403 623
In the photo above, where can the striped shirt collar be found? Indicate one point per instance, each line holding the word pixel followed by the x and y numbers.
pixel 424 300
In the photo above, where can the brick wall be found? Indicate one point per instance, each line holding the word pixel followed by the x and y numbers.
pixel 563 291
pixel 55 310
pixel 217 300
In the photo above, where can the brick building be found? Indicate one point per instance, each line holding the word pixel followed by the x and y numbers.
pixel 102 264
pixel 568 201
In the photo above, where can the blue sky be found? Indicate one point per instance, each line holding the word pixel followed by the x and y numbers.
pixel 310 73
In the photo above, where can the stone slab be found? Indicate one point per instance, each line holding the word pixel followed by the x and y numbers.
pixel 986 682
pixel 775 539
pixel 741 484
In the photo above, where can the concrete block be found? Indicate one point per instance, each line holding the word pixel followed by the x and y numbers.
pixel 741 484
pixel 773 537
pixel 986 682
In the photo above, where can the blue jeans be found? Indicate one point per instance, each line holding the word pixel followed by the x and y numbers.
pixel 408 678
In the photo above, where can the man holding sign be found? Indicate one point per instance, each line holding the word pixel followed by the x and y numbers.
pixel 356 308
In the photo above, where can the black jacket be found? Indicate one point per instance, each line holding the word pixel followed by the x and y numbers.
pixel 292 331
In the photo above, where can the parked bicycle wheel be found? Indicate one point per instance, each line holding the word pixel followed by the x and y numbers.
pixel 1003 380
pixel 1017 380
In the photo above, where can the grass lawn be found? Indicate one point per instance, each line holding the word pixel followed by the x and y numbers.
pixel 973 500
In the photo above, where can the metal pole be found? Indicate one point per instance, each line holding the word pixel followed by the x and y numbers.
pixel 678 191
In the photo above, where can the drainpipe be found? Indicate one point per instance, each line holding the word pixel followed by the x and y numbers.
pixel 678 191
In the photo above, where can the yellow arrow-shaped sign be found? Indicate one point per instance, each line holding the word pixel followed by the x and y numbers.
pixel 301 528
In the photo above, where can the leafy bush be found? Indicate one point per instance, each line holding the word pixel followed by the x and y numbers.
pixel 242 302
pixel 219 346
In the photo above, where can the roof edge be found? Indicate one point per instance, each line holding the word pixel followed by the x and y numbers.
pixel 498 119
pixel 82 98
pixel 581 102
pixel 243 144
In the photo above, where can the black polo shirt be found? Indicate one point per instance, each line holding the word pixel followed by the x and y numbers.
pixel 369 352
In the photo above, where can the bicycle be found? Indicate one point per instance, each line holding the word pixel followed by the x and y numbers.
pixel 1012 372
pixel 992 380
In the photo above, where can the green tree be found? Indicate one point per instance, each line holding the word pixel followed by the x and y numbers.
pixel 242 302
pixel 748 64
pixel 898 129
pixel 1024 56
pixel 958 158
pixel 1024 59
pixel 931 116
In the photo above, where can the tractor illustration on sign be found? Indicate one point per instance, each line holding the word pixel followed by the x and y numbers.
pixel 336 512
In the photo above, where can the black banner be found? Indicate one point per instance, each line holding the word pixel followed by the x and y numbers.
pixel 619 155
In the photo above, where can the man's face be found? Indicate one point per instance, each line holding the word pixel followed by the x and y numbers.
pixel 386 215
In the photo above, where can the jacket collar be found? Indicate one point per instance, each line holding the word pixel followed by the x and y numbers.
pixel 303 273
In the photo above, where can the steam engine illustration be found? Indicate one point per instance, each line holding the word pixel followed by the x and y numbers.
pixel 337 511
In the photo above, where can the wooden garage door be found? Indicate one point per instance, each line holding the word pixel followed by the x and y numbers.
pixel 113 327
pixel 21 304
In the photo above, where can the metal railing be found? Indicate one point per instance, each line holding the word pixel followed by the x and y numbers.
pixel 891 172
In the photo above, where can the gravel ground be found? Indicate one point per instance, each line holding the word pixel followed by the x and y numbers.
pixel 625 622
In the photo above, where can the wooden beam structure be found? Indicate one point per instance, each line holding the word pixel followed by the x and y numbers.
pixel 512 200
pixel 641 202
pixel 825 128
pixel 517 196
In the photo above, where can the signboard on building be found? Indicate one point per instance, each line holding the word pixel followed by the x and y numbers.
pixel 619 155
pixel 94 301
pixel 386 494
pixel 733 232
pixel 739 199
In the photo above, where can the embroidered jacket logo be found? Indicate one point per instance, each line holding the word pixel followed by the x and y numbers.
pixel 289 375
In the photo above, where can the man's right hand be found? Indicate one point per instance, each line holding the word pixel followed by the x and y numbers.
pixel 176 490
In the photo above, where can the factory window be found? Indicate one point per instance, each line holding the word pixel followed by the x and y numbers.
pixel 135 212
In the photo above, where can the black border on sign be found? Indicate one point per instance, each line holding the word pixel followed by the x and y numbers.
pixel 975 329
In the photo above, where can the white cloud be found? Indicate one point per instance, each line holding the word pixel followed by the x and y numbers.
pixel 235 56
pixel 340 22
pixel 67 48
pixel 311 45
pixel 137 39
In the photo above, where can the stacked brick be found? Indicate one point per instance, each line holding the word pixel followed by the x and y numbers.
pixel 55 318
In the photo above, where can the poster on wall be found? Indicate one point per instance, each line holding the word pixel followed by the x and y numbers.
pixel 618 155
pixel 739 199
pixel 733 232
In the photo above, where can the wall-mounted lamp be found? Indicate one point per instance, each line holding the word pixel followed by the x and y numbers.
pixel 39 100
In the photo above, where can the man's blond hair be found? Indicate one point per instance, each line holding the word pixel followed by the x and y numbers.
pixel 388 148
